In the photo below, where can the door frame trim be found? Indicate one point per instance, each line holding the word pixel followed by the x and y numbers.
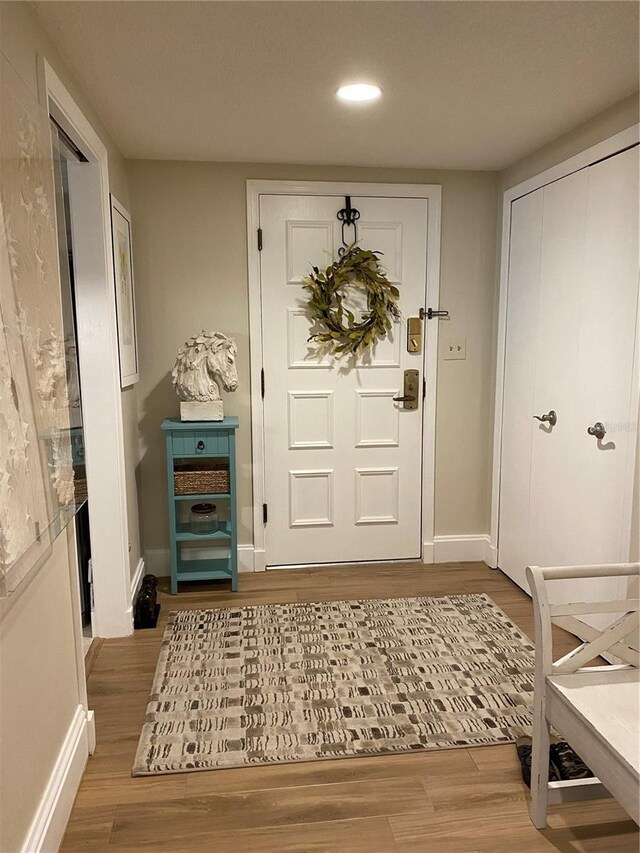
pixel 608 147
pixel 111 614
pixel 433 194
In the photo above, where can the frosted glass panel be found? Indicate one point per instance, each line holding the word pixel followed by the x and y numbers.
pixel 37 438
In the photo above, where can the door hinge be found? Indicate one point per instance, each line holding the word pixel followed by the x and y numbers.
pixel 424 388
pixel 259 239
pixel 262 382
pixel 264 513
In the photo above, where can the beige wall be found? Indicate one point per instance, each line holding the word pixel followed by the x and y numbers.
pixel 23 40
pixel 38 682
pixel 602 126
pixel 189 222
pixel 38 689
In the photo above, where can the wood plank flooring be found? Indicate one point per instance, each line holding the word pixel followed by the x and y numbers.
pixel 461 800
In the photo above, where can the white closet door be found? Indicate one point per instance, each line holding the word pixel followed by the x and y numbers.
pixel 519 384
pixel 571 333
pixel 607 312
pixel 554 524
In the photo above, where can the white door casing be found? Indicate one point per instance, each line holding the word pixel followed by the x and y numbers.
pixel 99 364
pixel 570 346
pixel 342 461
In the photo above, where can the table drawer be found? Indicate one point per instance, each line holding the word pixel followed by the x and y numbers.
pixel 200 443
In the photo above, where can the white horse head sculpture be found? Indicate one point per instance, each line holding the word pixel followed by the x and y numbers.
pixel 204 361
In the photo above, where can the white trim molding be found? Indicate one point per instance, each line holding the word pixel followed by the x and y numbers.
pixel 136 580
pixel 469 548
pixel 491 553
pixel 433 194
pixel 607 148
pixel 50 820
pixel 99 362
pixel 474 547
pixel 246 559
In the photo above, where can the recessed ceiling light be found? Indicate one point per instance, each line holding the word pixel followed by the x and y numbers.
pixel 359 92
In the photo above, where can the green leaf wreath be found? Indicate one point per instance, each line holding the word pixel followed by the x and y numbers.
pixel 340 333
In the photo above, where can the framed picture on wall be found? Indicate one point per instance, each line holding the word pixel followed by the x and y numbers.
pixel 125 293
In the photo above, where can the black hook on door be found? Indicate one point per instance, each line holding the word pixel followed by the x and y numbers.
pixel 348 216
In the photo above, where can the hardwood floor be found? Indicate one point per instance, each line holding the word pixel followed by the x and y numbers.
pixel 462 800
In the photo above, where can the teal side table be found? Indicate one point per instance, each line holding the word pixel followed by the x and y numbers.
pixel 193 442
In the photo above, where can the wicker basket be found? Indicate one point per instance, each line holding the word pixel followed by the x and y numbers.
pixel 201 479
pixel 81 493
pixel 80 484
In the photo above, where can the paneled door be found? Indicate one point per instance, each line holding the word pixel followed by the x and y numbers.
pixel 566 494
pixel 343 460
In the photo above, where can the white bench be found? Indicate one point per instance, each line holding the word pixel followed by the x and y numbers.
pixel 595 709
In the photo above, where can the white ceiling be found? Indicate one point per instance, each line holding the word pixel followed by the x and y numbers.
pixel 466 84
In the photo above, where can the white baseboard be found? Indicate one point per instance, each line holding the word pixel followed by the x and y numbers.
pixel 246 559
pixel 50 820
pixel 91 731
pixel 475 547
pixel 259 561
pixel 136 580
pixel 157 560
pixel 491 554
pixel 470 548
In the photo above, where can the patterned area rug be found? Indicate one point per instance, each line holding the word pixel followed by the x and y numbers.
pixel 299 682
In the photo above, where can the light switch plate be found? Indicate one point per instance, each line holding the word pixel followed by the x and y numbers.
pixel 455 348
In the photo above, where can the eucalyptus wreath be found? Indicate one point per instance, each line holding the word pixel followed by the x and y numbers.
pixel 340 333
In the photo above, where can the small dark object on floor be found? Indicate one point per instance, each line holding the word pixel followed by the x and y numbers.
pixel 524 749
pixel 147 608
pixel 564 763
pixel 567 763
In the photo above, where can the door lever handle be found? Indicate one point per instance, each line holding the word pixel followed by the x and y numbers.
pixel 550 418
pixel 409 398
pixel 597 430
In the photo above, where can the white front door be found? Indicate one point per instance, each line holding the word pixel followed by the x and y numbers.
pixel 343 461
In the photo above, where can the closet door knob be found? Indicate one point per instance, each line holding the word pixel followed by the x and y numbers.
pixel 550 418
pixel 597 430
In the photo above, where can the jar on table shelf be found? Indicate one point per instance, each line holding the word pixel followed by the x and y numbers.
pixel 203 518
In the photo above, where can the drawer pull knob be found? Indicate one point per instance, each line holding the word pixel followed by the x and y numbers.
pixel 200 445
